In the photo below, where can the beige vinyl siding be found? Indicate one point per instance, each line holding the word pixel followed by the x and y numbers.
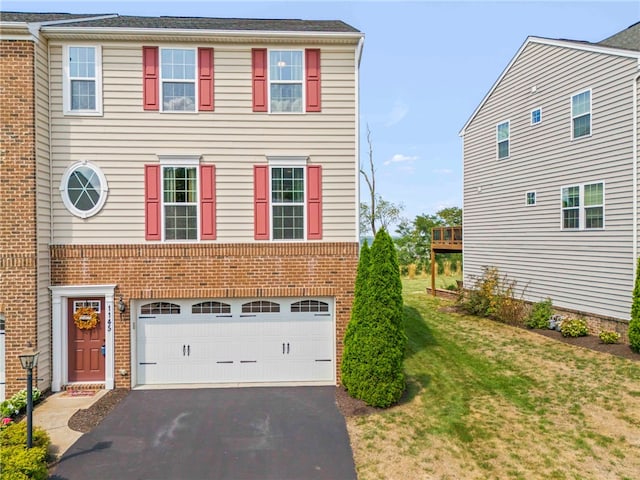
pixel 589 270
pixel 233 137
pixel 43 212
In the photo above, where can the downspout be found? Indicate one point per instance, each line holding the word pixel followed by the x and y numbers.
pixel 358 57
pixel 49 146
pixel 635 171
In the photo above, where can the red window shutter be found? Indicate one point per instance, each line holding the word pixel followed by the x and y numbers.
pixel 261 202
pixel 312 75
pixel 150 79
pixel 259 75
pixel 314 202
pixel 205 79
pixel 207 202
pixel 152 196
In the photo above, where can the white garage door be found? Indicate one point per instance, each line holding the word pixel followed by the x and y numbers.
pixel 236 341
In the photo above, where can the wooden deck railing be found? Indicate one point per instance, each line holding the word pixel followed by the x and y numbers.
pixel 447 238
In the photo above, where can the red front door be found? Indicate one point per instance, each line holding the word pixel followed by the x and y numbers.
pixel 86 358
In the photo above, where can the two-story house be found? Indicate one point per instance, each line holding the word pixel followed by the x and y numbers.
pixel 551 174
pixel 179 198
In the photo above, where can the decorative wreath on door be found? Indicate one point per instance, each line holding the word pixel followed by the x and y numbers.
pixel 86 318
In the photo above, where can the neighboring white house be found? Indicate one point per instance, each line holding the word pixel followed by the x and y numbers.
pixel 551 174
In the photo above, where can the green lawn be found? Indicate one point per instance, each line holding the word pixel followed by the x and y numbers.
pixel 487 400
pixel 442 281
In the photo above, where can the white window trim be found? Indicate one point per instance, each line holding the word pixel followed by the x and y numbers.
pixel 590 113
pixel 180 161
pixel 304 202
pixel 104 189
pixel 161 81
pixel 531 116
pixel 302 82
pixel 66 82
pixel 583 207
pixel 508 139
pixel 535 198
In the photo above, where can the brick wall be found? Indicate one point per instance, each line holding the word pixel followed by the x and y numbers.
pixel 18 248
pixel 210 271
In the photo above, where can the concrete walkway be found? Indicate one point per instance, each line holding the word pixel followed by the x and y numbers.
pixel 53 414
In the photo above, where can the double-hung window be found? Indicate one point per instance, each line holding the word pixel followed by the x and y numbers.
pixel 287 203
pixel 180 199
pixel 178 79
pixel 583 206
pixel 285 80
pixel 82 90
pixel 502 137
pixel 581 114
pixel 180 209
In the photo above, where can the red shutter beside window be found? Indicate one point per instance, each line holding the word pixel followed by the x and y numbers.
pixel 312 75
pixel 205 79
pixel 261 202
pixel 152 202
pixel 314 202
pixel 207 202
pixel 259 76
pixel 150 79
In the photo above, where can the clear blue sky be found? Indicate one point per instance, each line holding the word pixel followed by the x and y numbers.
pixel 425 68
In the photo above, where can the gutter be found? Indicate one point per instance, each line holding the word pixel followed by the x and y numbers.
pixel 358 58
pixel 55 31
pixel 635 171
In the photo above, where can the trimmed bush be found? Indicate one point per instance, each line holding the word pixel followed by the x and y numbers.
pixel 375 341
pixel 16 434
pixel 19 463
pixel 634 323
pixel 609 336
pixel 540 314
pixel 574 327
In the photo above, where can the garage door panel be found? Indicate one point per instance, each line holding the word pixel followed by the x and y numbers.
pixel 262 347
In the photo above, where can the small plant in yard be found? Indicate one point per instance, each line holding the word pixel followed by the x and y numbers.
pixel 634 323
pixel 574 327
pixel 17 403
pixel 540 314
pixel 19 463
pixel 609 336
pixel 493 295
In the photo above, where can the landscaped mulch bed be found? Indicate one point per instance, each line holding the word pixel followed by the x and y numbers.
pixel 87 419
pixel 593 342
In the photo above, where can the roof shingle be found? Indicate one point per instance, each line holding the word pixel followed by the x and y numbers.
pixel 628 39
pixel 44 17
pixel 182 23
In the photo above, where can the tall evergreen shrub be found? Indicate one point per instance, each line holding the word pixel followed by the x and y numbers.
pixel 362 276
pixel 634 324
pixel 375 343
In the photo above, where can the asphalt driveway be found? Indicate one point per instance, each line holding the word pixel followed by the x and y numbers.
pixel 289 433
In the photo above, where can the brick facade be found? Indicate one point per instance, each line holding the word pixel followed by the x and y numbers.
pixel 18 247
pixel 204 270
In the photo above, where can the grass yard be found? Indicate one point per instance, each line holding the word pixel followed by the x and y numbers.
pixel 442 281
pixel 490 401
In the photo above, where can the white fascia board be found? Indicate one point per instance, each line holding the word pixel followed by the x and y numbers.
pixel 15 31
pixel 142 32
pixel 587 47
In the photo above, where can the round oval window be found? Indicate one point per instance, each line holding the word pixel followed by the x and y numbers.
pixel 84 189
